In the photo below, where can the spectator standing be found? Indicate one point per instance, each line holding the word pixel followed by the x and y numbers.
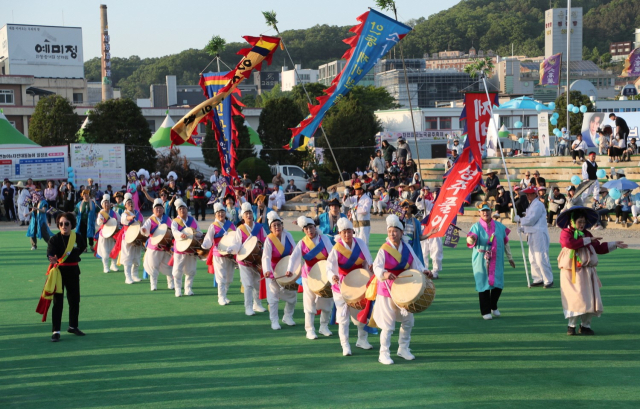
pixel 622 129
pixel 277 181
pixel 387 151
pixel 377 163
pixel 403 151
pixel 8 195
pixel 199 198
pixel 50 195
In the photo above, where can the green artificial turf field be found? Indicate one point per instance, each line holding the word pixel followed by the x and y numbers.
pixel 150 349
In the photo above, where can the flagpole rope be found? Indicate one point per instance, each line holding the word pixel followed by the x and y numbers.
pixel 309 99
pixel 506 172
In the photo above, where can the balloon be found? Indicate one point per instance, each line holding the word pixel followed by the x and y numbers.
pixel 575 110
pixel 518 124
pixel 69 169
pixel 555 131
pixel 539 108
pixel 601 173
pixel 72 181
pixel 208 194
pixel 521 140
pixel 552 105
pixel 553 121
pixel 575 180
pixel 555 115
pixel 597 140
pixel 570 107
pixel 583 108
pixel 614 193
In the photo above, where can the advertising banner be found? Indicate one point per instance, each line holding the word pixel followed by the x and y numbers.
pixel 35 163
pixel 104 163
pixel 543 133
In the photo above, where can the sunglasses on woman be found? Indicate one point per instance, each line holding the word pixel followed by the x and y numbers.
pixel 65 224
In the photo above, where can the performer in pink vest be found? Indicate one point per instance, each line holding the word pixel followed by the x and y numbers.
pixel 349 253
pixel 129 253
pixel 183 263
pixel 249 274
pixel 311 249
pixel 106 244
pixel 393 258
pixel 156 259
pixel 278 244
pixel 223 267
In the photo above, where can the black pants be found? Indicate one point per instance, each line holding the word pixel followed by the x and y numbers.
pixel 70 284
pixel 83 232
pixel 45 235
pixel 602 212
pixel 503 208
pixel 9 210
pixel 622 215
pixel 199 206
pixel 578 152
pixel 550 215
pixel 52 203
pixel 489 300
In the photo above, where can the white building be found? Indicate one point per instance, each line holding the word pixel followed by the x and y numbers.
pixel 556 26
pixel 290 79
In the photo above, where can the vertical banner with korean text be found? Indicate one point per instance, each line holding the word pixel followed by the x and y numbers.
pixel 543 133
pixel 466 173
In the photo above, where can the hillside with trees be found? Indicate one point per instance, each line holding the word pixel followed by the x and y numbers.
pixel 484 24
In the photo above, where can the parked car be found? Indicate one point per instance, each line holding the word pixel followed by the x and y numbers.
pixel 289 172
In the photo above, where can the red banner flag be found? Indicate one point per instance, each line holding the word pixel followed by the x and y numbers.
pixel 466 173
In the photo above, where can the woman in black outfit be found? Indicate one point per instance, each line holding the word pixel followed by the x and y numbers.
pixel 70 272
pixel 69 199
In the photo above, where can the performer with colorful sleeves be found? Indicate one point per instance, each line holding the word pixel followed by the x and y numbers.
pixel 129 253
pixel 328 221
pixel 38 227
pixel 393 258
pixel 432 246
pixel 156 258
pixel 534 224
pixel 312 248
pixel 183 263
pixel 106 244
pixel 489 240
pixel 223 267
pixel 579 282
pixel 278 244
pixel 86 215
pixel 360 205
pixel 249 274
pixel 348 254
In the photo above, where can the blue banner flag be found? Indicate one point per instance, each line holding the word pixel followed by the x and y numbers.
pixel 375 36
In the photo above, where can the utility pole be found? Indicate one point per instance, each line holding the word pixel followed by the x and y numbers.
pixel 105 51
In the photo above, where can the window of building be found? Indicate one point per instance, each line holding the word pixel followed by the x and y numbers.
pixel 430 122
pixel 445 122
pixel 6 96
pixel 152 124
pixel 13 123
pixel 77 98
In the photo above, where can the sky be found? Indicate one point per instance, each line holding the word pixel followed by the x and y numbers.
pixel 161 27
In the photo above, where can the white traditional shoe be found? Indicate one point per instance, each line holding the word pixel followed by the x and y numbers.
pixel 33 247
pixel 106 271
pixel 135 278
pixel 324 330
pixel 275 326
pixel 113 267
pixel 434 274
pixel 128 281
pixel 249 312
pixel 346 351
pixel 363 344
pixel 311 335
pixel 227 301
pixel 385 359
pixel 259 308
pixel 289 321
pixel 221 301
pixel 406 354
pixel 178 294
pixel 189 293
pixel 487 317
pixel 496 313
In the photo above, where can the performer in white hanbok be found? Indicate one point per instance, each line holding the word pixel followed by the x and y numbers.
pixel 278 244
pixel 249 274
pixel 184 263
pixel 312 248
pixel 360 205
pixel 222 265
pixel 129 253
pixel 348 254
pixel 431 247
pixel 157 258
pixel 393 258
pixel 106 244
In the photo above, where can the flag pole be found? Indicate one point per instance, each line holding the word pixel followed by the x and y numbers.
pixel 506 172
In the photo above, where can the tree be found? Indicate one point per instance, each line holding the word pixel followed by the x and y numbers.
pixel 172 160
pixel 373 98
pixel 298 95
pixel 54 122
pixel 121 121
pixel 276 119
pixel 245 148
pixel 273 93
pixel 576 98
pixel 249 101
pixel 254 167
pixel 351 130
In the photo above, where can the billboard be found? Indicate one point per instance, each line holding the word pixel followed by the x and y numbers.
pixel 35 163
pixel 42 51
pixel 591 121
pixel 104 163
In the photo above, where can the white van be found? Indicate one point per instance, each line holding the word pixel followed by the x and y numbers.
pixel 289 172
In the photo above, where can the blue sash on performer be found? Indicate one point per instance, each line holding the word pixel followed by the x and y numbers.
pixel 287 247
pixel 354 257
pixel 404 259
pixel 256 229
pixel 315 251
pixel 227 226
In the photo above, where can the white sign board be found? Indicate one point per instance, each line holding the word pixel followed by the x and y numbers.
pixel 104 163
pixel 420 135
pixel 35 163
pixel 543 133
pixel 42 51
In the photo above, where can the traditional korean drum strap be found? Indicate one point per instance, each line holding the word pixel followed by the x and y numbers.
pixel 315 251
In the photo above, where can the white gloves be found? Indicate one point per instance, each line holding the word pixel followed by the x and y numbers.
pixel 516 218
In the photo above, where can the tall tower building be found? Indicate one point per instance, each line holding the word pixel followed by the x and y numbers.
pixel 557 25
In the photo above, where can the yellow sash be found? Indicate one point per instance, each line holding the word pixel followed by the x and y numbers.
pixel 311 245
pixel 179 221
pixel 54 278
pixel 340 248
pixel 394 253
pixel 276 242
pixel 105 215
pixel 245 229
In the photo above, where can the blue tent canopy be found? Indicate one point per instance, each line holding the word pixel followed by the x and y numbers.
pixel 523 103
